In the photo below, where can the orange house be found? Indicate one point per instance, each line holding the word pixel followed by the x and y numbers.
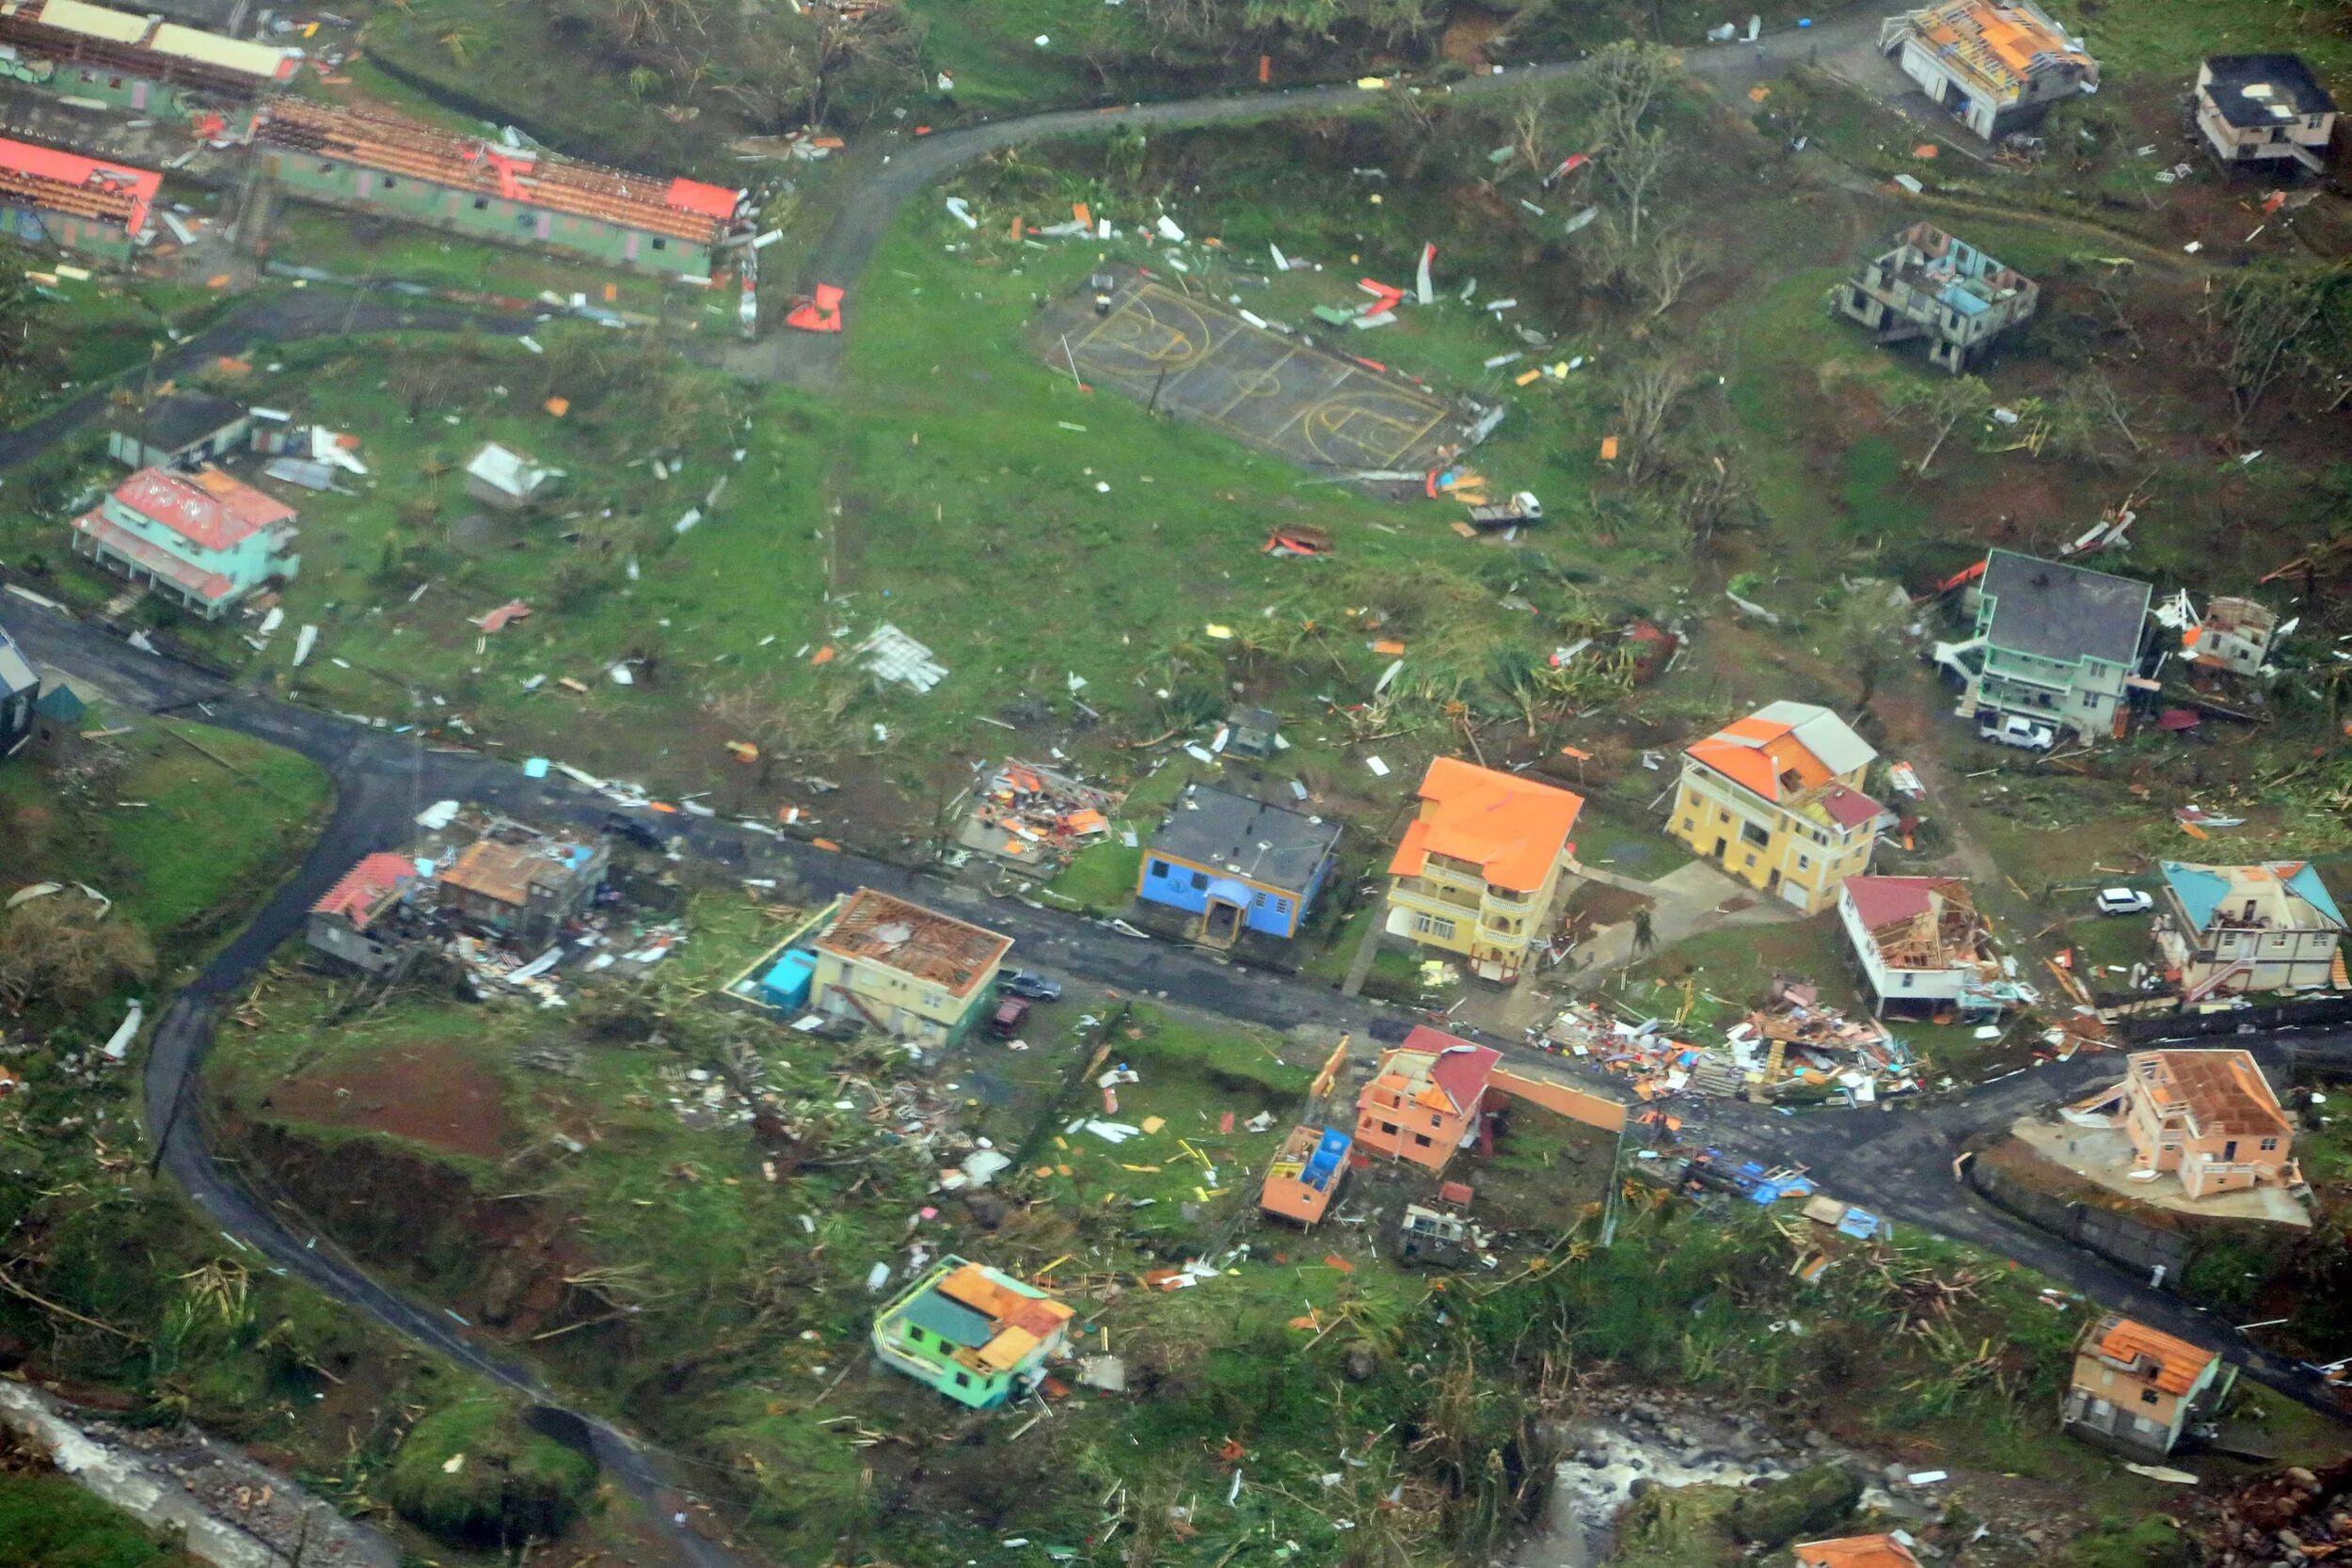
pixel 1478 867
pixel 1423 1104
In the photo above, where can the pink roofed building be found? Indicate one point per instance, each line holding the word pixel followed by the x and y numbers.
pixel 1424 1101
pixel 205 539
pixel 52 196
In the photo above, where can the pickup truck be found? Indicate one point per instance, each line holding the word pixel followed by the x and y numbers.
pixel 2013 730
pixel 1521 508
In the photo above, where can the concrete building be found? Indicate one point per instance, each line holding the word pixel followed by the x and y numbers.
pixel 178 430
pixel 1924 948
pixel 508 480
pixel 1943 290
pixel 1307 1174
pixel 976 1334
pixel 86 205
pixel 2209 1117
pixel 204 539
pixel 1997 65
pixel 908 971
pixel 358 920
pixel 401 168
pixel 2266 112
pixel 1775 799
pixel 524 892
pixel 1480 865
pixel 2228 930
pixel 2053 643
pixel 2233 636
pixel 1424 1101
pixel 90 54
pixel 20 692
pixel 1240 865
pixel 2135 1390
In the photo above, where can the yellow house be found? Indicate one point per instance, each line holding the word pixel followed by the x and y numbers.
pixel 907 971
pixel 1478 869
pixel 1775 799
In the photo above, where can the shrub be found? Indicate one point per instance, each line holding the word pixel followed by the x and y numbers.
pixel 472 1475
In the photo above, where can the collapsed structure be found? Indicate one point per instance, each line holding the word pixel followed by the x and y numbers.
pixel 1925 949
pixel 382 162
pixel 1997 65
pixel 141 63
pixel 1943 290
pixel 1030 818
pixel 524 892
pixel 91 205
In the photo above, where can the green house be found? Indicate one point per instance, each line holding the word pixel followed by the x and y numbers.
pixel 974 1332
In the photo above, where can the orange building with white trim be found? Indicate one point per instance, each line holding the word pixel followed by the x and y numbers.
pixel 1478 867
pixel 1424 1103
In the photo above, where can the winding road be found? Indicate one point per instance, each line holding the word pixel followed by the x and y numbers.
pixel 1896 1164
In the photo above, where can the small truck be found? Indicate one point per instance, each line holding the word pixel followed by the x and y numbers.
pixel 1521 508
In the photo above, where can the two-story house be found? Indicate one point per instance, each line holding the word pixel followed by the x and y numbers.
pixel 206 539
pixel 1424 1101
pixel 2135 1389
pixel 1923 948
pixel 2054 642
pixel 1775 799
pixel 524 892
pixel 2262 111
pixel 1236 862
pixel 1480 865
pixel 2231 929
pixel 910 972
pixel 2209 1117
pixel 358 920
pixel 1997 65
pixel 1933 286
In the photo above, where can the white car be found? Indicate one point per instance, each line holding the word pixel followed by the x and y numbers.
pixel 2124 900
pixel 2017 731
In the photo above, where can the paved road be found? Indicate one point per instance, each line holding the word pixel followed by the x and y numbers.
pixel 1897 1163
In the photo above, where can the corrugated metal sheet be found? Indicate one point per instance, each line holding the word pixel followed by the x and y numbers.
pixel 252 59
pixel 94 20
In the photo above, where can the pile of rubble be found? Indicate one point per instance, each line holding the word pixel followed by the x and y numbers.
pixel 2293 1516
pixel 1032 818
pixel 1791 1042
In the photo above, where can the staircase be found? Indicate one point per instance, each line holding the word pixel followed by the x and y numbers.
pixel 126 601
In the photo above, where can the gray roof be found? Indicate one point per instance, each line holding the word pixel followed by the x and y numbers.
pixel 2057 612
pixel 1267 843
pixel 16 671
pixel 179 420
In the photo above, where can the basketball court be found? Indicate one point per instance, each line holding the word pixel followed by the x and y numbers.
pixel 1203 363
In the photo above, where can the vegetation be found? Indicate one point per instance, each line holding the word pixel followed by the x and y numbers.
pixel 48 1522
pixel 473 1474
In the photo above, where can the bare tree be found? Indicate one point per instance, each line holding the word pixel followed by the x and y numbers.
pixel 1635 167
pixel 1944 405
pixel 2088 410
pixel 1716 495
pixel 1657 271
pixel 1647 392
pixel 63 951
pixel 2256 326
pixel 1627 78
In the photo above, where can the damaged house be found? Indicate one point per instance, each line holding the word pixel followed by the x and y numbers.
pixel 2135 1391
pixel 525 893
pixel 976 1334
pixel 360 920
pixel 1924 948
pixel 1238 864
pixel 1424 1101
pixel 1943 290
pixel 2208 1117
pixel 910 972
pixel 52 198
pixel 2227 930
pixel 2233 636
pixel 2261 111
pixel 141 63
pixel 206 539
pixel 1997 65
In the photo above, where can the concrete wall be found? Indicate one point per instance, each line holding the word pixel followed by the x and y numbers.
pixel 2117 1238
pixel 1593 1110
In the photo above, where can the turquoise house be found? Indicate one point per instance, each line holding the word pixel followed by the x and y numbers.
pixel 206 539
pixel 976 1334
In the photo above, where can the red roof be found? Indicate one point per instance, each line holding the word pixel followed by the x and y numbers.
pixel 1850 808
pixel 1883 900
pixel 365 886
pixel 69 182
pixel 207 508
pixel 1460 1070
pixel 711 202
pixel 153 557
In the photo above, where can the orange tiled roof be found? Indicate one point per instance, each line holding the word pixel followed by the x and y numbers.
pixel 2175 1364
pixel 1513 828
pixel 80 188
pixel 2224 1090
pixel 1855 1551
pixel 682 209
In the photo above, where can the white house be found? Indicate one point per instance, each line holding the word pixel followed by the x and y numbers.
pixel 1922 946
pixel 2230 930
pixel 2261 111
pixel 507 478
pixel 1997 65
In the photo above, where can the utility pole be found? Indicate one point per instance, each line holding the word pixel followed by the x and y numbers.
pixel 1609 1204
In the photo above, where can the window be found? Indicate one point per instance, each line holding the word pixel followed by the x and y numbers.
pixel 1199 881
pixel 391 182
pixel 1436 1120
pixel 327 165
pixel 1159 870
pixel 1430 926
pixel 963 1380
pixel 1421 1139
pixel 1694 798
pixel 115 83
pixel 1751 860
pixel 1804 862
pixel 1389 1128
pixel 2270 1145
pixel 2147 1395
pixel 914 1334
pixel 1750 834
pixel 1723 817
pixel 1690 824
pixel 660 244
pixel 481 203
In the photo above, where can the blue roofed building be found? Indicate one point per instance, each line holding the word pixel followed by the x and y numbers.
pixel 1238 864
pixel 1945 290
pixel 2227 930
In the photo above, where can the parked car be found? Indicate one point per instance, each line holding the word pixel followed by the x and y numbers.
pixel 2015 730
pixel 2124 900
pixel 840 1030
pixel 1007 1018
pixel 636 830
pixel 1030 984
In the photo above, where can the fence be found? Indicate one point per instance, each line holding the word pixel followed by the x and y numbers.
pixel 2322 1012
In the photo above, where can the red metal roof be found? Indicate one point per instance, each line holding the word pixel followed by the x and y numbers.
pixel 82 187
pixel 1461 1068
pixel 365 886
pixel 154 558
pixel 1883 900
pixel 1850 808
pixel 207 508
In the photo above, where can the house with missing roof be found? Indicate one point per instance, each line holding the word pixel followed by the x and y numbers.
pixel 2135 1391
pixel 907 971
pixel 360 922
pixel 2264 112
pixel 2208 1117
pixel 206 539
pixel 1424 1101
pixel 1480 867
pixel 1924 949
pixel 502 477
pixel 2054 642
pixel 398 167
pixel 1775 799
pixel 1997 65
pixel 522 891
pixel 1943 290
pixel 976 1334
pixel 178 430
pixel 86 205
pixel 1236 863
pixel 2227 930
pixel 142 63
